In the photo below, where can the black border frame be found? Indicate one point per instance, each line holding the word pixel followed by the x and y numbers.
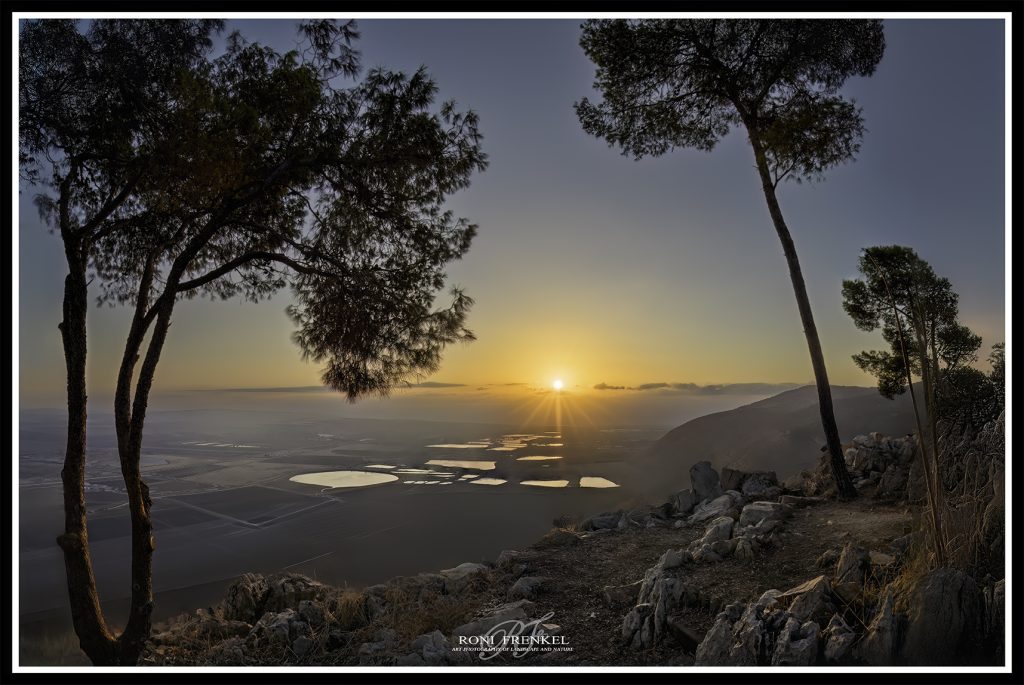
pixel 385 675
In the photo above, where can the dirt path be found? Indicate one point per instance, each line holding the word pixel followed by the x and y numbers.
pixel 580 572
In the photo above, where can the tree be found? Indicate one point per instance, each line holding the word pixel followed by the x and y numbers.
pixel 671 83
pixel 916 311
pixel 170 173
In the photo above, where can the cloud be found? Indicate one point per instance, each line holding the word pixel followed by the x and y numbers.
pixel 437 384
pixel 711 389
pixel 652 386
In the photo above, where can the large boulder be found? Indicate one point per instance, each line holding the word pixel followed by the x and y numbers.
pixel 684 501
pixel 945 620
pixel 463 577
pixel 755 512
pixel 704 480
pixel 720 506
pixel 732 479
pixel 245 598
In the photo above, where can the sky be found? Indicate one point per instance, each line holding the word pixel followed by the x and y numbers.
pixel 598 269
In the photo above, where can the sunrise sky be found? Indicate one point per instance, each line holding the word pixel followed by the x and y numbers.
pixel 594 268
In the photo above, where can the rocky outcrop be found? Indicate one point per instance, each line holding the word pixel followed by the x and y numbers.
pixel 945 616
pixel 705 481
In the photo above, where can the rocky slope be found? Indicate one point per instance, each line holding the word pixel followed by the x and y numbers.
pixel 738 569
pixel 780 433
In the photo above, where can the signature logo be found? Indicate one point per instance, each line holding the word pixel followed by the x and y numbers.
pixel 518 638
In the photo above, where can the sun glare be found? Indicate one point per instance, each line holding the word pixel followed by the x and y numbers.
pixel 557 384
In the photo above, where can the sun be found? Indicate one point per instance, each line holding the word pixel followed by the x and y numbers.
pixel 557 384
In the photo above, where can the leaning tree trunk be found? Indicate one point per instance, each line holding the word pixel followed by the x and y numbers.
pixel 844 484
pixel 94 636
pixel 133 640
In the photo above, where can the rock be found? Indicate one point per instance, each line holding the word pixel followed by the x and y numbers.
pixel 716 646
pixel 518 610
pixel 880 558
pixel 245 598
pixel 828 558
pixel 278 629
pixel 707 555
pixel 838 638
pixel 797 644
pixel 565 538
pixel 720 506
pixel 901 545
pixel 744 549
pixel 852 564
pixel 878 647
pixel 795 501
pixel 659 596
pixel 463 577
pixel 684 501
pixel 759 511
pixel 509 557
pixel 719 529
pixel 757 484
pixel 633 621
pixel 810 601
pixel 893 483
pixel 432 648
pixel 723 548
pixel 286 590
pixel 617 595
pixel 528 587
pixel 705 481
pixel 607 520
pixel 732 479
pixel 945 620
pixel 311 612
pixel 301 646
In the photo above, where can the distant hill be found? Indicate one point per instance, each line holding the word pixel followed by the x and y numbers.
pixel 781 433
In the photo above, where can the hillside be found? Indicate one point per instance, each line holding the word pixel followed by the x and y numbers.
pixel 781 433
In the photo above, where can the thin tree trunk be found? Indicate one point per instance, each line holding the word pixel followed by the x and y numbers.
pixel 94 636
pixel 136 632
pixel 844 484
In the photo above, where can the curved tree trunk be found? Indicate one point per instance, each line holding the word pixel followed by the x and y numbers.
pixel 844 484
pixel 94 636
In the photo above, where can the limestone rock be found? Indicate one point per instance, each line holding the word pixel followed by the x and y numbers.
pixel 878 647
pixel 528 587
pixel 732 479
pixel 839 637
pixel 944 620
pixel 720 506
pixel 462 577
pixel 684 501
pixel 797 644
pixel 705 481
pixel 811 600
pixel 760 511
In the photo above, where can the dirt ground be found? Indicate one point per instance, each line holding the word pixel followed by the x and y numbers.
pixel 580 572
